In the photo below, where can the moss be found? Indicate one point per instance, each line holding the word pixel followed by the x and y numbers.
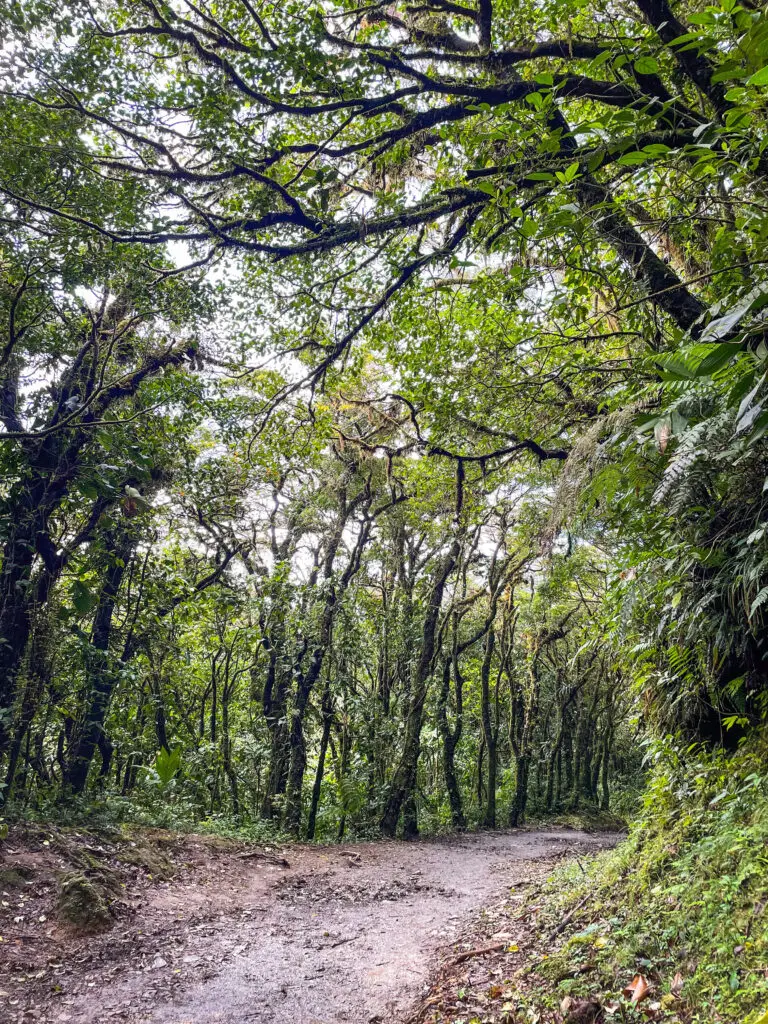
pixel 143 855
pixel 16 876
pixel 83 903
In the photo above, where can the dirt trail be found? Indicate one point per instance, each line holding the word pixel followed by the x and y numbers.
pixel 341 934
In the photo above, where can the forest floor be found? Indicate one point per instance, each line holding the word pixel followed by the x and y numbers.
pixel 158 927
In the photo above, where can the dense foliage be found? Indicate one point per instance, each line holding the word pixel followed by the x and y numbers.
pixel 695 862
pixel 383 393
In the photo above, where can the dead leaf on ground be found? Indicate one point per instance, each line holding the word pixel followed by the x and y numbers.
pixel 638 989
pixel 677 984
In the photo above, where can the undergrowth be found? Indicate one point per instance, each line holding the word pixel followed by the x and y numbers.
pixel 685 895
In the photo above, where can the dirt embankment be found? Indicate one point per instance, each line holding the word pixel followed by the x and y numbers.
pixel 185 930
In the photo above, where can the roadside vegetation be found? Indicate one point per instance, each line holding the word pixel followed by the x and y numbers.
pixel 668 926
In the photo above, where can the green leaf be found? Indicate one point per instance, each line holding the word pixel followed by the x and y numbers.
pixel 760 77
pixel 167 763
pixel 723 325
pixel 82 598
pixel 718 357
pixel 571 171
pixel 761 598
pixel 633 157
pixel 646 66
pixel 748 417
pixel 601 58
pixel 746 402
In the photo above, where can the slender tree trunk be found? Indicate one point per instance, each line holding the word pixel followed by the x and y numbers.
pixel 226 752
pixel 552 767
pixel 489 734
pixel 568 759
pixel 403 785
pixel 18 556
pixel 134 759
pixel 520 798
pixel 101 674
pixel 334 590
pixel 450 739
pixel 327 708
pixel 274 703
pixel 39 674
pixel 605 801
pixel 480 779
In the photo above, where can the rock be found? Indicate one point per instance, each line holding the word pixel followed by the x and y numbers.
pixel 83 904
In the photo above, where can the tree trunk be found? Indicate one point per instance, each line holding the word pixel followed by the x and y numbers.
pixel 489 734
pixel 101 674
pixel 325 737
pixel 18 556
pixel 403 785
pixel 605 801
pixel 520 799
pixel 450 739
pixel 226 752
pixel 39 675
pixel 274 703
pixel 306 681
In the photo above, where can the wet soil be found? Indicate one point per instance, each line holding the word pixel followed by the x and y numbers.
pixel 301 935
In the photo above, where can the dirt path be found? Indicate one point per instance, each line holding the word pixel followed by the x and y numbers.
pixel 341 934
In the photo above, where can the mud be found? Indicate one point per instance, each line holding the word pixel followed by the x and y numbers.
pixel 342 934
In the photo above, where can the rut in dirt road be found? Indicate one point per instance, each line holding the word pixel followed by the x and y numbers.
pixel 345 934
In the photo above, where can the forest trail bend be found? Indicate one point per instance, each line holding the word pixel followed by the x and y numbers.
pixel 343 934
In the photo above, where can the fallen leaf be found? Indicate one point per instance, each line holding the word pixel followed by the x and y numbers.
pixel 677 984
pixel 638 989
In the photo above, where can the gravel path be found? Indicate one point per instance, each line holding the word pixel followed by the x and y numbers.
pixel 342 934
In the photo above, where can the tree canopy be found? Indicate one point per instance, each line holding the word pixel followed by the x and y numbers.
pixel 383 390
